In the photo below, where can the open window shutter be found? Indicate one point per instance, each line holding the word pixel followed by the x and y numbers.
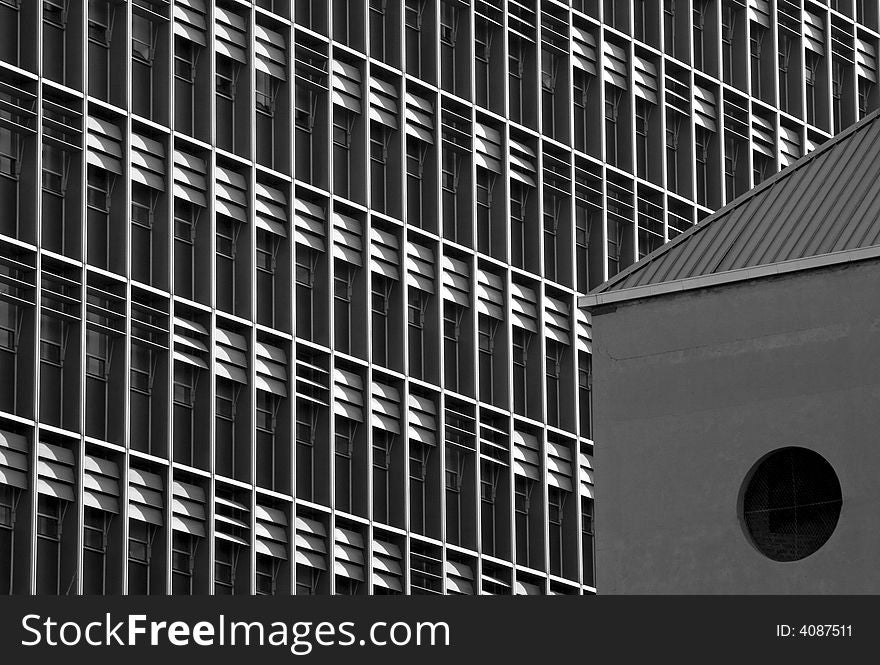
pixel 188 509
pixel 487 147
pixel 101 484
pixel 384 253
pixel 459 578
pixel 456 281
pixel 145 497
pixel 866 60
pixel 759 11
pixel 311 543
pixel 422 420
pixel 190 183
pixel 230 32
pixel 231 194
pixel 556 318
pixel 383 103
pixel 583 50
pixel 311 224
pixel 189 21
pixel 190 343
pixel 387 568
pixel 584 332
pixel 490 295
pixel 789 146
pixel 420 267
pixel 526 455
pixel 348 239
pixel 645 79
pixel 103 145
pixel 814 33
pixel 348 551
pixel 349 395
pixel 270 52
pixel 385 408
pixel 271 532
pixel 13 460
pixel 615 65
pixel 522 162
pixel 55 471
pixel 762 136
pixel 147 162
pixel 559 467
pixel 271 206
pixel 585 462
pixel 231 353
pixel 526 589
pixel 346 86
pixel 231 521
pixel 419 118
pixel 524 312
pixel 271 370
pixel 704 108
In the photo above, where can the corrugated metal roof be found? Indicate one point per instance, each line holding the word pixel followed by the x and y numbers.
pixel 825 203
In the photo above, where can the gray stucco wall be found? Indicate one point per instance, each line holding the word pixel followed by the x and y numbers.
pixel 690 390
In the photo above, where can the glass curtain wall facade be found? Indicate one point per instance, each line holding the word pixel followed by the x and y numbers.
pixel 293 309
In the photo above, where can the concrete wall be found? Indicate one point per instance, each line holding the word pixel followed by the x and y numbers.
pixel 692 389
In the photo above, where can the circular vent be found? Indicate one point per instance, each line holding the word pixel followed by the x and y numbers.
pixel 791 503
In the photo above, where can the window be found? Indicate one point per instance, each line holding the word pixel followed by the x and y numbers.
pixel 703 144
pixel 456 459
pixel 582 227
pixel 50 516
pixel 485 185
pixel 55 169
pixel 265 93
pixel 549 73
pixel 579 98
pixel 343 124
pixel 452 319
pixel 699 25
pixel 186 55
pixel 306 431
pixel 555 511
pixel 613 97
pixel 552 214
pixel 226 76
pixel 521 340
pixel 489 476
pixel 515 68
pixel 226 403
pixel 519 196
pixel 53 340
pixel 55 11
pixel 555 360
pixel 728 31
pixel 673 130
pixel 9 153
pixel 183 556
pixel 587 541
pixel 585 391
pixel 381 306
pixel 483 35
pixel 450 175
pixel 383 442
pixel 731 153
pixel 669 26
pixel 416 310
pixel 784 58
pixel 486 331
pixel 812 62
pixel 346 430
pixel 98 350
pixel 143 207
pixel 864 94
pixel 100 22
pixel 306 263
pixel 761 166
pixel 790 503
pixel 449 16
pixel 614 240
pixel 266 574
pixel 416 151
pixel 757 38
pixel 838 79
pixel 413 12
pixel 377 28
pixel 143 39
pixel 225 563
pixel 343 286
pixel 185 382
pixel 305 111
pixel 380 140
pixel 522 504
pixel 96 527
pixel 419 454
pixel 643 114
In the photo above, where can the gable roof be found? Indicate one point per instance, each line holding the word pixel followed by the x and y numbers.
pixel 824 209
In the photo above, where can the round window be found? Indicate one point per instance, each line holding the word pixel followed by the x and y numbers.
pixel 790 503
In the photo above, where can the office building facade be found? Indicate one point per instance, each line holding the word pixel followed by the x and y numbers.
pixel 294 307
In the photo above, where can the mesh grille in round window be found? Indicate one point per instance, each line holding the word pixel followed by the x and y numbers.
pixel 791 503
